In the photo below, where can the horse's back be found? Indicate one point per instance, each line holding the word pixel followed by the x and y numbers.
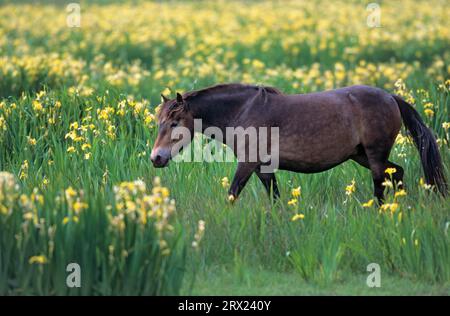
pixel 365 95
pixel 361 102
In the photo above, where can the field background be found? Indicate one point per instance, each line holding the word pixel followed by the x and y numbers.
pixel 77 123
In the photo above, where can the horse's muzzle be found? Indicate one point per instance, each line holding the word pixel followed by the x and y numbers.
pixel 160 157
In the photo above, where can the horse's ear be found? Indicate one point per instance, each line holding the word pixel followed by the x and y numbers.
pixel 164 98
pixel 181 102
pixel 179 99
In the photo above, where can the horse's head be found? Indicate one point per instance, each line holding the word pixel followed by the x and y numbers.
pixel 176 129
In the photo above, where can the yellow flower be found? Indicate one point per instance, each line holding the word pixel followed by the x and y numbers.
pixel 71 149
pixel 31 141
pixel 296 192
pixel 24 170
pixel 87 156
pixel 446 125
pixel 120 206
pixel 293 202
pixel 429 112
pixel 401 139
pixel 166 92
pixel 156 181
pixel 78 139
pixel 74 125
pixel 158 75
pixel 389 206
pixel 199 234
pixel 79 206
pixel 393 207
pixel 400 193
pixel 258 64
pixel 70 193
pixel 424 185
pixel 390 171
pixel 38 259
pixel 368 203
pixel 72 135
pixel 351 188
pixel 2 123
pixel 85 146
pixel 165 252
pixel 165 192
pixel 297 217
pixel 130 205
pixel 28 216
pixel 37 106
pixel 40 94
pixel 149 119
pixel 225 182
pixel 387 183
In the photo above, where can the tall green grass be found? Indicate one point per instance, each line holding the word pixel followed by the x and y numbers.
pixel 112 261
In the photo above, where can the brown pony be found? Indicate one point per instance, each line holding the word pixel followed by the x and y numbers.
pixel 317 131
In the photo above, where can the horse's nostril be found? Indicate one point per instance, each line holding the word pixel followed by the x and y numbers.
pixel 157 159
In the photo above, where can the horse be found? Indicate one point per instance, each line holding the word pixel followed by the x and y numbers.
pixel 317 131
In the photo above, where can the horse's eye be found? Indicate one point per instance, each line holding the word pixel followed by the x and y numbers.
pixel 174 124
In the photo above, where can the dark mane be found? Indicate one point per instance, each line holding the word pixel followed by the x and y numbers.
pixel 230 86
pixel 168 108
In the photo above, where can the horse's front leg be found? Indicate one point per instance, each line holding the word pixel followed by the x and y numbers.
pixel 243 173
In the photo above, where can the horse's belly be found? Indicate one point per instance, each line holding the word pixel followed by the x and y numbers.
pixel 305 167
pixel 310 156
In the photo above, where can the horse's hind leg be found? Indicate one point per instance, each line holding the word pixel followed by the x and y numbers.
pixel 398 175
pixel 377 168
pixel 375 159
pixel 270 183
pixel 378 162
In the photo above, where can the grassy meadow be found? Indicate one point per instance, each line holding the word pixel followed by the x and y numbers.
pixel 78 120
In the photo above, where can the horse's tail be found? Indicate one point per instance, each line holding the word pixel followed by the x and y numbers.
pixel 426 145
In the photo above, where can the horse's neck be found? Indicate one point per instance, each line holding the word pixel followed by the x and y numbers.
pixel 218 111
